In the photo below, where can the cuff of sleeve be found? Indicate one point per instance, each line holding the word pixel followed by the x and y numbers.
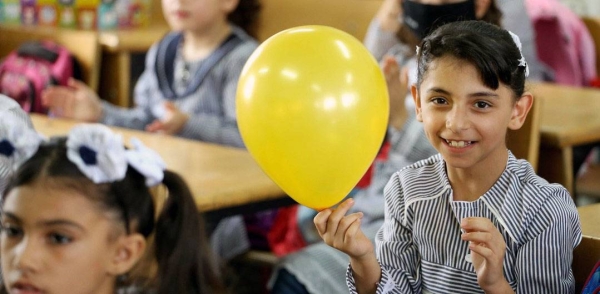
pixel 385 284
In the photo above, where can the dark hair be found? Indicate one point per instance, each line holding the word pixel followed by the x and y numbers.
pixel 487 47
pixel 180 248
pixel 246 15
pixel 493 15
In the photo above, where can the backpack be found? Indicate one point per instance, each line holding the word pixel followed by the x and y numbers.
pixel 592 285
pixel 32 67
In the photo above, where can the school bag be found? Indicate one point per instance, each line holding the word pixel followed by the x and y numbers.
pixel 32 67
pixel 592 285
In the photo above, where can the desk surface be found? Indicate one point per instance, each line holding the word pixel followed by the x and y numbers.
pixel 590 220
pixel 219 177
pixel 570 115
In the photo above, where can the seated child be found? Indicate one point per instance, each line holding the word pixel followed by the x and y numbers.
pixel 473 218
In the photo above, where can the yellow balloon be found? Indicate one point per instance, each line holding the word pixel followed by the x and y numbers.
pixel 312 108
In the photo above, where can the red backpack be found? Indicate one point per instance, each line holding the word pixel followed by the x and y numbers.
pixel 32 67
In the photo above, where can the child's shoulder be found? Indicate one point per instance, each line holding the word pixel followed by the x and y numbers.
pixel 532 186
pixel 427 174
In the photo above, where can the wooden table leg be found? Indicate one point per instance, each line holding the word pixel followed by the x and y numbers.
pixel 556 166
pixel 115 85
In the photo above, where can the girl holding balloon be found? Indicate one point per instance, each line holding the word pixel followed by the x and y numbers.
pixel 318 268
pixel 472 218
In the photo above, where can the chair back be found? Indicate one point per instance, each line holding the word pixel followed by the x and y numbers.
pixel 524 143
pixel 593 26
pixel 585 257
pixel 82 44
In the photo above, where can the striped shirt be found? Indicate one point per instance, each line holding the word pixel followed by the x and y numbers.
pixel 420 249
pixel 10 109
pixel 211 107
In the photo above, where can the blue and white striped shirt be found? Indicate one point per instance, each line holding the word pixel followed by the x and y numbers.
pixel 420 248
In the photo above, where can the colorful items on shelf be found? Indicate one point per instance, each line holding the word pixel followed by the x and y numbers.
pixel 81 14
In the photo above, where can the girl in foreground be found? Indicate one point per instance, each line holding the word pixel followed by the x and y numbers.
pixel 77 215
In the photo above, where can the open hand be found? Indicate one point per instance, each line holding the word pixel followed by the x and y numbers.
pixel 75 101
pixel 172 123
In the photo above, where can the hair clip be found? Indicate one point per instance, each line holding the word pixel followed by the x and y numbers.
pixel 418 49
pixel 100 155
pixel 146 161
pixel 98 152
pixel 522 61
pixel 18 142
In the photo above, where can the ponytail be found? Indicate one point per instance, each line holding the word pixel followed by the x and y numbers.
pixel 182 253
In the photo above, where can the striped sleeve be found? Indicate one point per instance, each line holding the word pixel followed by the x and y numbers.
pixel 397 254
pixel 543 264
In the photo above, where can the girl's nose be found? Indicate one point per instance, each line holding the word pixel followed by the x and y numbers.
pixel 26 255
pixel 457 120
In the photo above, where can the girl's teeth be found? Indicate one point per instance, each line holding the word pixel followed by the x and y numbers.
pixel 458 143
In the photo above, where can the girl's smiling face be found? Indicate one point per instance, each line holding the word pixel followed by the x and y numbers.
pixel 465 120
pixel 55 240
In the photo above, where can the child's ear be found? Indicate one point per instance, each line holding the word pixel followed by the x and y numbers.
pixel 128 250
pixel 415 94
pixel 482 7
pixel 520 111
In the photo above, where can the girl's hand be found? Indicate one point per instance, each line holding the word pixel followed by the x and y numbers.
pixel 75 101
pixel 487 248
pixel 342 231
pixel 398 88
pixel 172 123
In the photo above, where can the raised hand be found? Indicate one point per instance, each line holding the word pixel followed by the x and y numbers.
pixel 487 248
pixel 75 101
pixel 397 82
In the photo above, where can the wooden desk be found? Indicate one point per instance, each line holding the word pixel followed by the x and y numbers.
pixel 570 117
pixel 221 178
pixel 117 48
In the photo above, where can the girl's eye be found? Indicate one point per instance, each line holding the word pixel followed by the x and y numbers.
pixel 439 100
pixel 11 231
pixel 56 238
pixel 482 104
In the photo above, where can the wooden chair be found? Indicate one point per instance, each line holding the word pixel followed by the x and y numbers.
pixel 351 16
pixel 585 257
pixel 525 142
pixel 593 26
pixel 82 44
pixel 589 182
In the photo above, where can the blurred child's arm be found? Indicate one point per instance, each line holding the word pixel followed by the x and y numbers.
pixel 381 34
